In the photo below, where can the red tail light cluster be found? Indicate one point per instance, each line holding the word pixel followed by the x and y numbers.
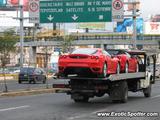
pixel 61 68
pixel 94 57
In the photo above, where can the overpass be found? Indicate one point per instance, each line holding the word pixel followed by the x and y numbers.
pixel 89 42
pixel 94 39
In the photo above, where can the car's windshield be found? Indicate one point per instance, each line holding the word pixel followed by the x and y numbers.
pixel 113 52
pixel 26 70
pixel 84 51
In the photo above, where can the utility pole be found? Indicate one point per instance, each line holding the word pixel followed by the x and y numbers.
pixel 46 64
pixel 134 26
pixel 134 16
pixel 21 36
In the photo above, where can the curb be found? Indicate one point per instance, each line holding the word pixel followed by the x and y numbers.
pixel 29 92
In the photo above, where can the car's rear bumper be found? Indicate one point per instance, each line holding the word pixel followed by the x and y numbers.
pixel 26 78
pixel 81 70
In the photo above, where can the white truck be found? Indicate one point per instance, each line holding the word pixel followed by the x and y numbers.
pixel 116 85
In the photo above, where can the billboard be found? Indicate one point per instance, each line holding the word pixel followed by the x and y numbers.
pixel 152 28
pixel 130 6
pixel 3 2
pixel 93 26
pixel 127 25
pixel 6 19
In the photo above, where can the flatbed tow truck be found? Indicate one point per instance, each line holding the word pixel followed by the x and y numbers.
pixel 116 85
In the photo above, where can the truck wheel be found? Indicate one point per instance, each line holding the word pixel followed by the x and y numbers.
pixel 100 94
pixel 124 98
pixel 119 92
pixel 104 71
pixel 147 91
pixel 34 81
pixel 44 81
pixel 84 99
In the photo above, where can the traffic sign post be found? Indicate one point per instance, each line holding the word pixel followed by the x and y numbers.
pixel 33 11
pixel 117 10
pixel 57 11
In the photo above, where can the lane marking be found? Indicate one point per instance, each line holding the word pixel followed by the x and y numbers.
pixel 155 96
pixel 85 115
pixel 78 116
pixel 14 108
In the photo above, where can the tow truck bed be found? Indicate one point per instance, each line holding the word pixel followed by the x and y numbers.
pixel 113 77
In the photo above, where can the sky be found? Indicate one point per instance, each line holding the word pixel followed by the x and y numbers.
pixel 150 7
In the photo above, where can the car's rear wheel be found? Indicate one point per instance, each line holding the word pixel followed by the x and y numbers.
pixel 44 81
pixel 126 67
pixel 104 71
pixel 34 81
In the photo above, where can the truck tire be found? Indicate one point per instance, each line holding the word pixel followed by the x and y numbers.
pixel 44 81
pixel 119 92
pixel 147 91
pixel 84 99
pixel 124 98
pixel 100 94
pixel 79 98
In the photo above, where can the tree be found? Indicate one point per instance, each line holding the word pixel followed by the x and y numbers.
pixel 7 46
pixel 67 43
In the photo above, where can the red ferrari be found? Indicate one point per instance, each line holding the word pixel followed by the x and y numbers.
pixel 88 62
pixel 128 63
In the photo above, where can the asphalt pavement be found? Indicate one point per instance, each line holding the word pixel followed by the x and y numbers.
pixel 59 106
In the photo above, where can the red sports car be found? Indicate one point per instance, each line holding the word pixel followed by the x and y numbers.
pixel 88 62
pixel 128 63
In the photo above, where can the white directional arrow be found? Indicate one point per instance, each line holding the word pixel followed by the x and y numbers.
pixel 50 18
pixel 74 17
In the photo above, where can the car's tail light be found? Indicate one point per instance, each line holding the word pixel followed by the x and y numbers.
pixel 94 57
pixel 61 68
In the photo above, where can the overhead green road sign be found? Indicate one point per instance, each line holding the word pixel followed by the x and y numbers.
pixel 57 11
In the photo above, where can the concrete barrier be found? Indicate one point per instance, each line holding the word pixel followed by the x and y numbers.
pixel 9 77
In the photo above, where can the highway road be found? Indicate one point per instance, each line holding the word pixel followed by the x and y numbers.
pixel 59 106
pixel 13 85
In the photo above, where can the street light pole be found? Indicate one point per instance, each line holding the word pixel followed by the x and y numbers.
pixel 134 26
pixel 46 64
pixel 21 36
